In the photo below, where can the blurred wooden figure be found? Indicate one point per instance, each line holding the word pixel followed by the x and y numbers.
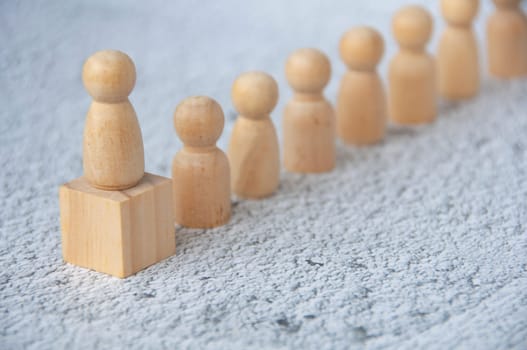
pixel 117 219
pixel 361 103
pixel 253 148
pixel 309 120
pixel 200 171
pixel 412 82
pixel 507 40
pixel 457 57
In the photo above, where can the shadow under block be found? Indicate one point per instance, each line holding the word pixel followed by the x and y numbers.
pixel 117 232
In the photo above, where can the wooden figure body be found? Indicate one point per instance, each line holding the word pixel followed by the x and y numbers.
pixel 308 120
pixel 253 148
pixel 361 102
pixel 113 148
pixel 117 219
pixel 412 82
pixel 200 171
pixel 507 40
pixel 457 57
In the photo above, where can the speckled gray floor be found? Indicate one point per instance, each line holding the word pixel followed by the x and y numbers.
pixel 419 242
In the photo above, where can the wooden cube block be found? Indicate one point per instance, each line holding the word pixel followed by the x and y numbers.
pixel 117 232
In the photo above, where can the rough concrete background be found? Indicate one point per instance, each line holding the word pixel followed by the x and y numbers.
pixel 419 242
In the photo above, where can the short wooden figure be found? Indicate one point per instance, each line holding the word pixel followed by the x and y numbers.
pixel 309 119
pixel 253 148
pixel 200 171
pixel 457 57
pixel 361 102
pixel 117 219
pixel 507 40
pixel 412 82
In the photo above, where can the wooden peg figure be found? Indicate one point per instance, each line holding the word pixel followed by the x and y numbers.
pixel 457 57
pixel 253 148
pixel 412 82
pixel 113 147
pixel 116 219
pixel 507 40
pixel 309 120
pixel 361 106
pixel 200 171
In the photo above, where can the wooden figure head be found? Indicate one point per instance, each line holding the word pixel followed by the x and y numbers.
pixel 459 12
pixel 361 48
pixel 198 121
pixel 254 94
pixel 308 70
pixel 109 76
pixel 412 27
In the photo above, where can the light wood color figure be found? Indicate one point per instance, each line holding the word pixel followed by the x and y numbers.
pixel 253 148
pixel 309 119
pixel 361 102
pixel 507 40
pixel 412 79
pixel 457 57
pixel 200 171
pixel 116 219
pixel 109 77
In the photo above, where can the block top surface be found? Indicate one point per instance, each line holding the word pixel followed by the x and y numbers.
pixel 147 182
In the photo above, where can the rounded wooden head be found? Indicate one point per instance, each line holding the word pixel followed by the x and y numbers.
pixel 308 70
pixel 254 94
pixel 361 48
pixel 198 121
pixel 506 3
pixel 460 12
pixel 109 76
pixel 412 26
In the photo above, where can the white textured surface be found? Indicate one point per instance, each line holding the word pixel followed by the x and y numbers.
pixel 416 243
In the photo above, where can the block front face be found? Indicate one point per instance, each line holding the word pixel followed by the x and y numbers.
pixel 91 230
pixel 117 232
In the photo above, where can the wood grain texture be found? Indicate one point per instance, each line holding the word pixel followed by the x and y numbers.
pixel 117 232
pixel 308 119
pixel 253 155
pixel 418 243
pixel 200 171
pixel 411 76
pixel 113 155
pixel 201 188
pixel 361 101
pixel 253 148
